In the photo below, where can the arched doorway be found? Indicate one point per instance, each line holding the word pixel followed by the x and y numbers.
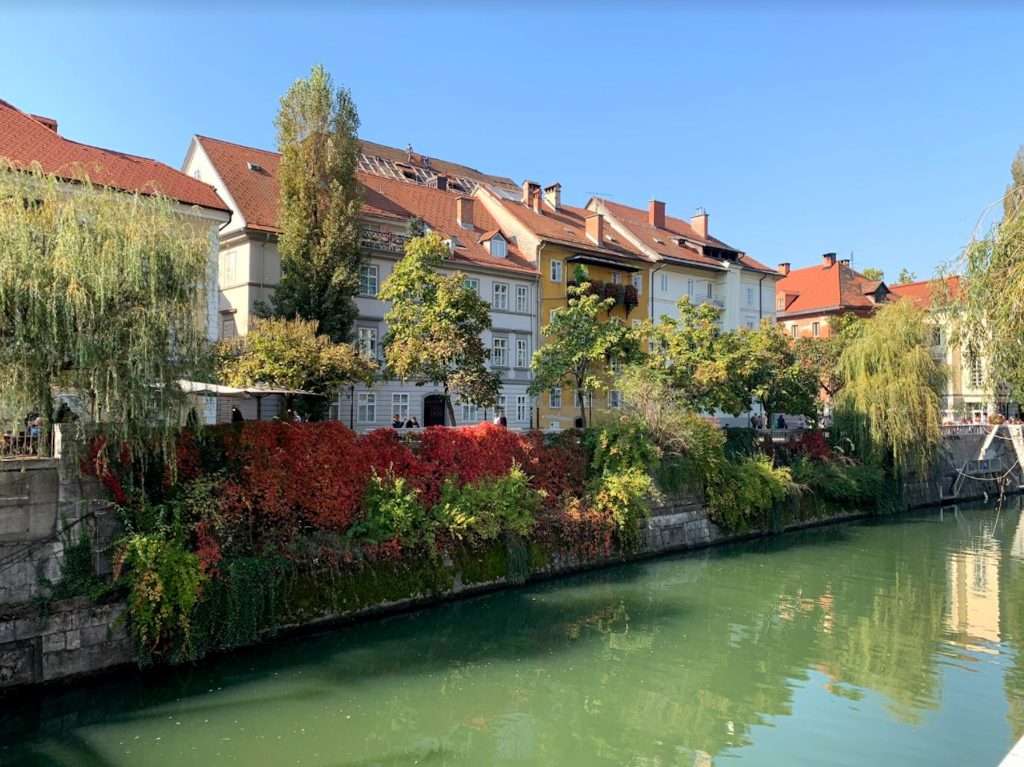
pixel 433 410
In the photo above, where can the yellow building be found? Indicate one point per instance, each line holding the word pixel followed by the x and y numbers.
pixel 558 238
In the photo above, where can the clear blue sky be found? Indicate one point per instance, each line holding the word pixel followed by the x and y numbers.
pixel 879 128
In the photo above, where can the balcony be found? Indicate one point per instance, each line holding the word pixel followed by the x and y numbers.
pixel 381 241
pixel 624 295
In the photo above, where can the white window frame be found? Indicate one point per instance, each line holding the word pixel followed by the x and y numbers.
pixel 499 351
pixel 750 296
pixel 522 408
pixel 614 399
pixel 793 330
pixel 552 313
pixel 815 329
pixel 473 284
pixel 522 299
pixel 499 290
pixel 555 398
pixel 522 352
pixel 664 283
pixel 470 412
pixel 616 278
pixel 689 288
pixel 371 274
pixel 367 350
pixel 400 406
pixel 638 283
pixel 557 270
pixel 499 406
pixel 497 247
pixel 711 289
pixel 366 407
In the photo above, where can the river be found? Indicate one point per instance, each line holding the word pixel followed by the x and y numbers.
pixel 891 642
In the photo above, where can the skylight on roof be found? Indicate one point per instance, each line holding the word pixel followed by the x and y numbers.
pixel 254 166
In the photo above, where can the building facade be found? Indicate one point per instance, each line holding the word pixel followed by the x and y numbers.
pixel 398 188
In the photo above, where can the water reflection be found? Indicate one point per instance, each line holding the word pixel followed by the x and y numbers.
pixel 835 633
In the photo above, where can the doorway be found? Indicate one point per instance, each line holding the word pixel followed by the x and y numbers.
pixel 433 410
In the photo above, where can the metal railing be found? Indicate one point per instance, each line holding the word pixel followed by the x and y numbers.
pixel 389 242
pixel 19 445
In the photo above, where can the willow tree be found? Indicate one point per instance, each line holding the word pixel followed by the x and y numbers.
pixel 319 205
pixel 889 405
pixel 101 299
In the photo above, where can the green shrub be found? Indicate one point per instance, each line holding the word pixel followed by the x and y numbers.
pixel 614 447
pixel 391 509
pixel 841 482
pixel 483 510
pixel 739 443
pixel 624 497
pixel 741 496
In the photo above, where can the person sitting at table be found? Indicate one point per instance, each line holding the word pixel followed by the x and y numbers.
pixel 396 421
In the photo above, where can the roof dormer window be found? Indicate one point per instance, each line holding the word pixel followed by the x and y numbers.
pixel 497 246
pixel 255 167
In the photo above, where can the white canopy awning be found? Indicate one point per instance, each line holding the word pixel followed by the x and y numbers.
pixel 211 389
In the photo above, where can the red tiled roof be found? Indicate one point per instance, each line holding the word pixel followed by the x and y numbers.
pixel 25 140
pixel 825 288
pixel 567 225
pixel 924 292
pixel 665 241
pixel 256 194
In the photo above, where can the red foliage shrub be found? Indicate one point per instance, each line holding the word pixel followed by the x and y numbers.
pixel 813 445
pixel 97 463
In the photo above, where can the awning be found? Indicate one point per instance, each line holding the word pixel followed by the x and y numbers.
pixel 583 258
pixel 211 389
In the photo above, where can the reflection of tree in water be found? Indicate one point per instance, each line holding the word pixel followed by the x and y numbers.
pixel 1011 624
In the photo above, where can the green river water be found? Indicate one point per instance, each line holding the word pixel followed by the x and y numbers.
pixel 881 643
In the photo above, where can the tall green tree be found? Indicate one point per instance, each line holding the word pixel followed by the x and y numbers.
pixel 820 356
pixel 580 346
pixel 871 273
pixel 890 403
pixel 435 325
pixel 319 205
pixel 905 276
pixel 1013 200
pixel 772 374
pixel 102 299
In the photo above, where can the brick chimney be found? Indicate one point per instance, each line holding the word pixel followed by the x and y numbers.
pixel 699 222
pixel 464 212
pixel 535 203
pixel 844 262
pixel 784 268
pixel 553 195
pixel 656 214
pixel 529 189
pixel 829 259
pixel 595 228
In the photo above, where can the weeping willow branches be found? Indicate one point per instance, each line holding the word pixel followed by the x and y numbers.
pixel 890 402
pixel 101 298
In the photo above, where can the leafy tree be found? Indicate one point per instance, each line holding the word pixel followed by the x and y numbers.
pixel 288 354
pixel 434 326
pixel 100 298
pixel 820 356
pixel 905 276
pixel 1013 201
pixel 771 371
pixel 871 273
pixel 579 346
pixel 890 403
pixel 320 203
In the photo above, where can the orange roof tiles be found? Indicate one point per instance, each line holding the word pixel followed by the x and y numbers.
pixel 922 293
pixel 25 140
pixel 256 194
pixel 826 287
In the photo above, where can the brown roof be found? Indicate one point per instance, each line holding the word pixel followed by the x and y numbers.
pixel 923 293
pixel 666 241
pixel 825 287
pixel 424 167
pixel 255 192
pixel 567 226
pixel 25 140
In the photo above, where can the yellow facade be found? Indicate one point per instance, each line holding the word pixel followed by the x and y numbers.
pixel 559 410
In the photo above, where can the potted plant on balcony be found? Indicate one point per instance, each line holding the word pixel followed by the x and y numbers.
pixel 630 298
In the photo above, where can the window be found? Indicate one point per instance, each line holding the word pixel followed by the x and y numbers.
pixel 555 398
pixel 522 352
pixel 616 278
pixel 366 340
pixel 711 289
pixel 556 271
pixel 470 412
pixel 522 408
pixel 586 396
pixel 500 296
pixel 750 296
pixel 473 284
pixel 498 247
pixel 689 288
pixel 977 373
pixel 522 299
pixel 555 425
pixel 664 283
pixel 936 336
pixel 614 399
pixel 366 411
pixel 228 329
pixel 793 330
pixel 553 312
pixel 368 280
pixel 815 329
pixel 400 406
pixel 499 352
pixel 750 324
pixel 638 283
pixel 615 365
pixel 499 406
pixel 197 174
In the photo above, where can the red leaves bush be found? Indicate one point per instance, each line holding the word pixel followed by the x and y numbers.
pixel 813 445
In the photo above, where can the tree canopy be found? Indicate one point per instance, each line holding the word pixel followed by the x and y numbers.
pixel 1013 200
pixel 289 354
pixel 581 347
pixel 820 356
pixel 889 406
pixel 872 273
pixel 101 298
pixel 435 325
pixel 770 371
pixel 320 201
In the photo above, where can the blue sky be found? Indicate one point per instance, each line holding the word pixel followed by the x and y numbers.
pixel 881 129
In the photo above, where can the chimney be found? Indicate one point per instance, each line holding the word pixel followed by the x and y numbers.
pixel 595 228
pixel 784 268
pixel 529 188
pixel 553 195
pixel 844 262
pixel 464 212
pixel 535 202
pixel 699 222
pixel 441 182
pixel 829 259
pixel 656 214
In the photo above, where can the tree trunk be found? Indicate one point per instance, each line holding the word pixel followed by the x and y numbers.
pixel 581 402
pixel 449 408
